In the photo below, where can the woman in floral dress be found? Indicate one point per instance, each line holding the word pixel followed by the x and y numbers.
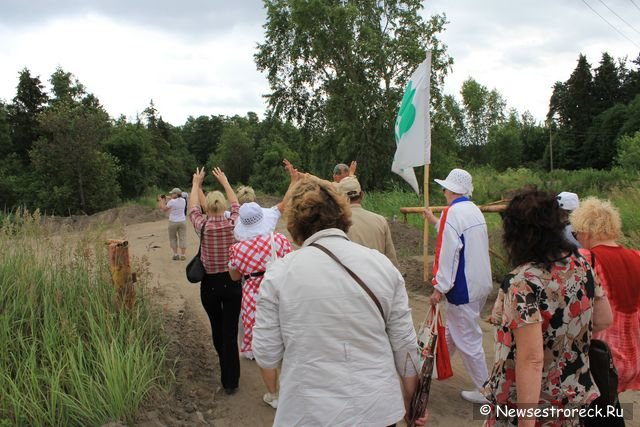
pixel 546 311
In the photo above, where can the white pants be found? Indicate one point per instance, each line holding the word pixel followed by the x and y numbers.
pixel 464 334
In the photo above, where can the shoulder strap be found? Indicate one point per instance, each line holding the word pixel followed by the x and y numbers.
pixel 201 237
pixel 354 276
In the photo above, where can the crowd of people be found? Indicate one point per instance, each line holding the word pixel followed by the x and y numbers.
pixel 329 323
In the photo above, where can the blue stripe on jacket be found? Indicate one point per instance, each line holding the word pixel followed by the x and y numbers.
pixel 459 293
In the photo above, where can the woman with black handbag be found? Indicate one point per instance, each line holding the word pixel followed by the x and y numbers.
pixel 598 227
pixel 219 293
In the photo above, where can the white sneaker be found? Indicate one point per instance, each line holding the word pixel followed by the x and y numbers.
pixel 474 396
pixel 271 399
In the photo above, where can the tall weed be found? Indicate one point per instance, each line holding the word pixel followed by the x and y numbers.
pixel 69 355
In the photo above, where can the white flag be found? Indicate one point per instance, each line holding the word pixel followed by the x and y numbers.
pixel 413 125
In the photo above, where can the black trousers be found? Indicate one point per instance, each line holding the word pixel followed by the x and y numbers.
pixel 221 298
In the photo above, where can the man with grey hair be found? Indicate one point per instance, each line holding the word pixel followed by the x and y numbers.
pixel 367 229
pixel 341 171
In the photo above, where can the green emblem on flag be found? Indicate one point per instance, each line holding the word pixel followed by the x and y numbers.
pixel 406 114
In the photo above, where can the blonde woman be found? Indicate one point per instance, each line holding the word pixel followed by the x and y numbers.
pixel 219 293
pixel 598 227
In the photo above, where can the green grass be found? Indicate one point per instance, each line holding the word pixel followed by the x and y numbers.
pixel 69 355
pixel 149 199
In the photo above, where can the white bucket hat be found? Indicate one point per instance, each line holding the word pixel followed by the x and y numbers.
pixel 254 221
pixel 458 181
pixel 568 201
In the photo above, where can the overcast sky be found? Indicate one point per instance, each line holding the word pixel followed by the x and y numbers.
pixel 195 57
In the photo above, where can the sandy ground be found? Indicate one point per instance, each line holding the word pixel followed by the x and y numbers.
pixel 196 398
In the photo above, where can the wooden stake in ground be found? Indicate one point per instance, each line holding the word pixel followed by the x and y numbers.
pixel 425 237
pixel 121 272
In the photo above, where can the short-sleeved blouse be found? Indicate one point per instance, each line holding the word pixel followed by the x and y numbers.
pixel 251 256
pixel 559 299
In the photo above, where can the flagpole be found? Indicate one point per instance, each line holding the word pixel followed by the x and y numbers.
pixel 425 241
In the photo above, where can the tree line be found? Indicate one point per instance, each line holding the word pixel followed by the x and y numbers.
pixel 337 71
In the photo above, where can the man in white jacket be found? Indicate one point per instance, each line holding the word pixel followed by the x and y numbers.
pixel 462 273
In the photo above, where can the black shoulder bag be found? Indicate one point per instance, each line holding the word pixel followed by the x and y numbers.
pixel 601 365
pixel 195 269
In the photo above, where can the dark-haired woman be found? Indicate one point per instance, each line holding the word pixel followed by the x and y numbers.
pixel 345 360
pixel 546 311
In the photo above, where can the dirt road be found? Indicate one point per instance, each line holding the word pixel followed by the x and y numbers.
pixel 196 398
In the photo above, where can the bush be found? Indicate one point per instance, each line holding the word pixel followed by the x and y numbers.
pixel 629 152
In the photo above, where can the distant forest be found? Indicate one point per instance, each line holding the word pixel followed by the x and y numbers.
pixel 62 152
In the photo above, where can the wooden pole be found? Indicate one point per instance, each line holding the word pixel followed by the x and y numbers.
pixel 435 209
pixel 425 237
pixel 121 272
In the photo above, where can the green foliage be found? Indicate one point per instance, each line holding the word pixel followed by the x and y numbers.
pixel 12 177
pixel 388 204
pixel 174 165
pixel 29 101
pixel 629 152
pixel 131 146
pixel 268 174
pixel 338 71
pixel 68 354
pixel 482 109
pixel 6 146
pixel 202 136
pixel 534 140
pixel 600 145
pixel 505 145
pixel 490 186
pixel 606 85
pixel 592 112
pixel 444 147
pixel 66 88
pixel 632 124
pixel 77 176
pixel 235 155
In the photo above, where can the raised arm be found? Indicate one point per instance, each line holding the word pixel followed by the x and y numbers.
pixel 222 179
pixel 352 168
pixel 294 175
pixel 162 203
pixel 196 188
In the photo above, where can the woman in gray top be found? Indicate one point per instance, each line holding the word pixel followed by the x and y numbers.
pixel 346 360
